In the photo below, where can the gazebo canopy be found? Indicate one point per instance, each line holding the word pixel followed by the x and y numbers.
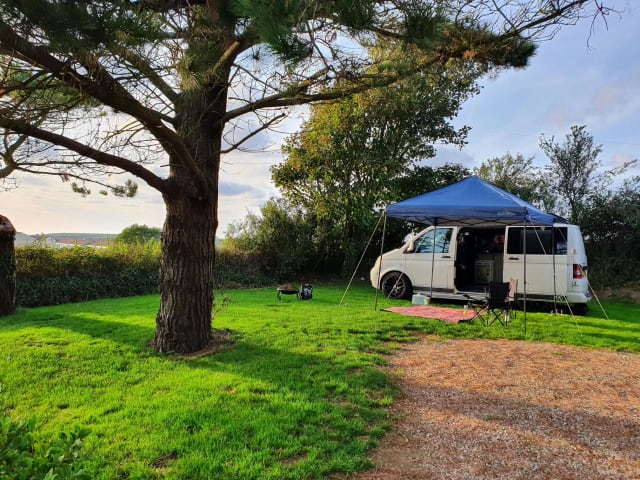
pixel 471 201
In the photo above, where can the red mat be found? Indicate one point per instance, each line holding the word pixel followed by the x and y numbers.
pixel 450 315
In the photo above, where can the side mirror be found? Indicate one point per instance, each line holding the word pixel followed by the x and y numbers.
pixel 411 247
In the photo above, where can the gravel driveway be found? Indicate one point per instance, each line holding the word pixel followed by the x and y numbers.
pixel 499 409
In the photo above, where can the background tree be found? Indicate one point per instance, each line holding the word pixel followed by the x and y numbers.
pixel 345 159
pixel 517 175
pixel 572 172
pixel 92 90
pixel 610 222
pixel 280 239
pixel 135 234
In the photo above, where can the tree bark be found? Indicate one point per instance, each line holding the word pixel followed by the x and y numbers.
pixel 7 267
pixel 183 323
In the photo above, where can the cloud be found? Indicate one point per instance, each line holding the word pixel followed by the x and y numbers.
pixel 231 189
pixel 605 98
pixel 446 155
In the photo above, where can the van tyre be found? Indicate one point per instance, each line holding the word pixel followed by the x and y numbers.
pixel 396 285
pixel 580 309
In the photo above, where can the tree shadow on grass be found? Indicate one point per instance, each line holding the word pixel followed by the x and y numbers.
pixel 86 322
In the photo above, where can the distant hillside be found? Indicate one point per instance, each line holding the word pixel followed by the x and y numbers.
pixel 82 236
pixel 90 237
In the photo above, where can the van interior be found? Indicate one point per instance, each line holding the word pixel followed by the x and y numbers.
pixel 480 251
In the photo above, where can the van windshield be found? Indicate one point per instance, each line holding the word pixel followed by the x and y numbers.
pixel 539 241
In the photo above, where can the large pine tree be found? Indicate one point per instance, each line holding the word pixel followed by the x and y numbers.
pixel 94 89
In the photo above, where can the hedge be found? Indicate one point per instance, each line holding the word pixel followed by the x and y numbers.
pixel 52 276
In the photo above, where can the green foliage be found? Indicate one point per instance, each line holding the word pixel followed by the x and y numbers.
pixel 517 175
pixel 237 268
pixel 48 276
pixel 572 173
pixel 26 455
pixel 345 162
pixel 135 234
pixel 280 241
pixel 610 221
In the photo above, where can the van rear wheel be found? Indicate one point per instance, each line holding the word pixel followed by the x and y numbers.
pixel 396 285
pixel 580 309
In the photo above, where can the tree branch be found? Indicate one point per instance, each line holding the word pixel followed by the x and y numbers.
pixel 143 67
pixel 263 127
pixel 99 157
pixel 108 91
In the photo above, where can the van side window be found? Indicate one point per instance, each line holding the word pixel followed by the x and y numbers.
pixel 425 243
pixel 539 241
pixel 561 240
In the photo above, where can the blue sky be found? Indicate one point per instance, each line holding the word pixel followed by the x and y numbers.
pixel 580 77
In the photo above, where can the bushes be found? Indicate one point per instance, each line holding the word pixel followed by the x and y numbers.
pixel 239 269
pixel 25 455
pixel 48 276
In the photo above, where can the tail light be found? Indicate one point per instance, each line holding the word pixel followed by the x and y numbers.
pixel 579 271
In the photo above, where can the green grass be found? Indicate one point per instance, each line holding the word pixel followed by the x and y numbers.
pixel 299 394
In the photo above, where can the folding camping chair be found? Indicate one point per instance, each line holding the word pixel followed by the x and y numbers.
pixel 511 298
pixel 497 305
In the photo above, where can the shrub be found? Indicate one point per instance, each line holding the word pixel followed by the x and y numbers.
pixel 48 276
pixel 25 455
pixel 240 269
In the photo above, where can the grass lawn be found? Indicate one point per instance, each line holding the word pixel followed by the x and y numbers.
pixel 298 395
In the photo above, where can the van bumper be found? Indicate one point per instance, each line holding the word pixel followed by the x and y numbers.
pixel 374 277
pixel 578 297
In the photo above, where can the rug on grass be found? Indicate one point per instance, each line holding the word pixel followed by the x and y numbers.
pixel 451 315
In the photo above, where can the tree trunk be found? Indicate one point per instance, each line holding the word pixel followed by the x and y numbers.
pixel 7 267
pixel 183 323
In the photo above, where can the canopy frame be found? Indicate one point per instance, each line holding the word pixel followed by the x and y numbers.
pixel 472 202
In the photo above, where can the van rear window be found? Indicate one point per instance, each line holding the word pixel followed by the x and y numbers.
pixel 539 241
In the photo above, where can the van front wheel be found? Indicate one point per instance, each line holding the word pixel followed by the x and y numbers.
pixel 396 285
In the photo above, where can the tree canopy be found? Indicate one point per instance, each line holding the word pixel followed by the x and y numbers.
pixel 573 172
pixel 517 175
pixel 343 163
pixel 135 233
pixel 161 90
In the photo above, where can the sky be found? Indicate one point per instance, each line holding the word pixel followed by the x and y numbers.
pixel 586 75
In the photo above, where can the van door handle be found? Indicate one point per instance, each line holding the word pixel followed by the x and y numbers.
pixel 446 256
pixel 514 258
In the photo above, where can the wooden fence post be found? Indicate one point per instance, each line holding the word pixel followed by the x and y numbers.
pixel 7 267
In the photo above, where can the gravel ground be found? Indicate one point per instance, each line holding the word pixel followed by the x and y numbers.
pixel 498 409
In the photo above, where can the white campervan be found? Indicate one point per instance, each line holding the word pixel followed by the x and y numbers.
pixel 454 261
